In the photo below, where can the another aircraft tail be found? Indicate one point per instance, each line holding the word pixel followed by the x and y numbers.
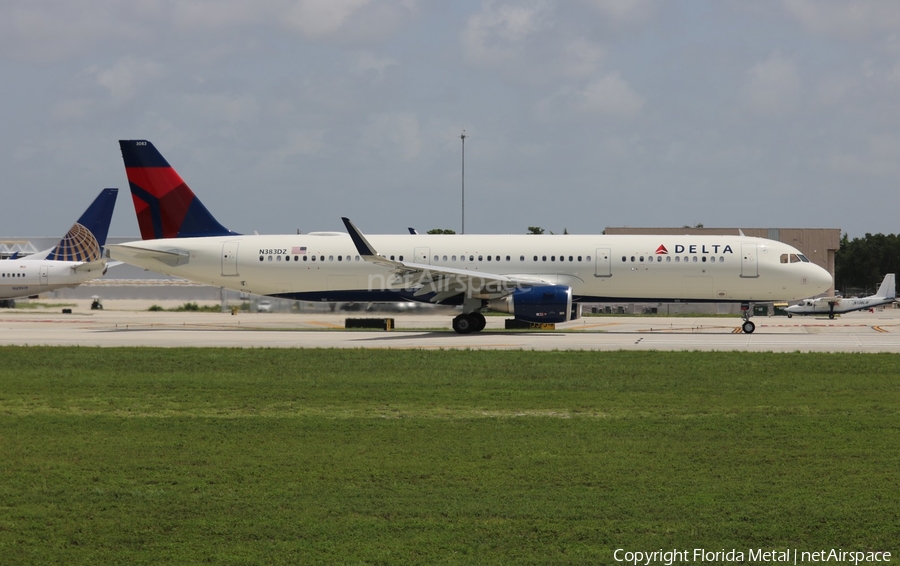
pixel 85 240
pixel 165 206
pixel 888 288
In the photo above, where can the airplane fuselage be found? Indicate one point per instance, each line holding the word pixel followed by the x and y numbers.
pixel 24 278
pixel 327 267
pixel 829 305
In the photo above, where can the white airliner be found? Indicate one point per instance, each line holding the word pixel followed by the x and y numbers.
pixel 838 305
pixel 535 278
pixel 75 259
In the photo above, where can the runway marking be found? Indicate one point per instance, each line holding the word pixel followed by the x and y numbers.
pixel 879 329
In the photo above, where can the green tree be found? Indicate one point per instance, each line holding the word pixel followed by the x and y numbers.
pixel 441 231
pixel 861 263
pixel 535 230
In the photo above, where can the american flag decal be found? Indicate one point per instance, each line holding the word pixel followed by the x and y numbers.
pixel 298 250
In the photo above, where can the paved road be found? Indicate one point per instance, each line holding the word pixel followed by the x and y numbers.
pixel 854 332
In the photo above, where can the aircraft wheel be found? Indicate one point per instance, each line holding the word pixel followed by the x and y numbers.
pixel 479 320
pixel 831 316
pixel 748 327
pixel 464 324
pixel 790 315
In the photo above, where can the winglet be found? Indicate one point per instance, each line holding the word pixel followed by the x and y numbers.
pixel 165 206
pixel 363 246
pixel 366 250
pixel 83 242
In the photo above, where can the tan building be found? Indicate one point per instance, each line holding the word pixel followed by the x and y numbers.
pixel 818 244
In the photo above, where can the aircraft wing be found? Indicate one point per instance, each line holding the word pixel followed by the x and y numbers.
pixel 444 282
pixel 169 257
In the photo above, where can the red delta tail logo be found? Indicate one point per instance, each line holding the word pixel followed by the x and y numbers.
pixel 662 250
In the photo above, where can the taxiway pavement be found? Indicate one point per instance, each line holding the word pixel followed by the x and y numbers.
pixel 853 332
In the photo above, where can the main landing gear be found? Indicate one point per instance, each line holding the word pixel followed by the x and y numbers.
pixel 748 327
pixel 467 323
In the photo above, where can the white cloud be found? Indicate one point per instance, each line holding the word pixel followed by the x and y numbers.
pixel 50 31
pixel 193 14
pixel 71 109
pixel 126 76
pixel 320 18
pixel 394 132
pixel 223 108
pixel 499 31
pixel 772 86
pixel 880 158
pixel 610 96
pixel 367 61
pixel 581 58
pixel 625 10
pixel 844 18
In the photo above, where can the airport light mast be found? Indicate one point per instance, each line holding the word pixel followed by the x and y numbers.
pixel 463 138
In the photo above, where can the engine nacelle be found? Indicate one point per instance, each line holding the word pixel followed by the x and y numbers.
pixel 544 303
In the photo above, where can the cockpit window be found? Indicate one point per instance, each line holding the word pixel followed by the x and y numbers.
pixel 794 258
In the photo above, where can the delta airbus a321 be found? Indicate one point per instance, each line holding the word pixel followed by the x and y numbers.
pixel 534 278
pixel 78 257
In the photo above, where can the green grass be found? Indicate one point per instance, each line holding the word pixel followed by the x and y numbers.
pixel 187 307
pixel 391 457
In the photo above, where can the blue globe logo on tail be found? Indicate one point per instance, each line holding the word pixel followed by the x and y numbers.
pixel 77 245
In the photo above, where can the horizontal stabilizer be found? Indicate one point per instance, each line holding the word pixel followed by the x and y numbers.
pixel 172 258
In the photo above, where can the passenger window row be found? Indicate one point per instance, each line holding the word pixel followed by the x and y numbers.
pixel 678 259
pixel 13 275
pixel 451 258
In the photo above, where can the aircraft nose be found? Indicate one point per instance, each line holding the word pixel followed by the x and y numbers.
pixel 820 279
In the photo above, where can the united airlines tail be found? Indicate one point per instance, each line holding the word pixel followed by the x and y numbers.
pixel 165 206
pixel 85 240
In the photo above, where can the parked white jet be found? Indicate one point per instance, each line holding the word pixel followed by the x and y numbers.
pixel 77 258
pixel 838 305
pixel 535 278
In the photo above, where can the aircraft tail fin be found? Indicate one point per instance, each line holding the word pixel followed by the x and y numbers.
pixel 85 240
pixel 165 206
pixel 888 288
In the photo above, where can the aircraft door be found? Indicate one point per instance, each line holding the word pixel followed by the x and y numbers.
pixel 602 263
pixel 229 259
pixel 422 255
pixel 45 275
pixel 749 261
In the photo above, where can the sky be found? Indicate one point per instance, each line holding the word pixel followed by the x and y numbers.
pixel 286 115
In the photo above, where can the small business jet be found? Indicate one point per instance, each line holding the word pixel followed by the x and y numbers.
pixel 534 278
pixel 77 258
pixel 838 305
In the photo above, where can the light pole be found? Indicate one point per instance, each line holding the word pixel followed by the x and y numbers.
pixel 463 138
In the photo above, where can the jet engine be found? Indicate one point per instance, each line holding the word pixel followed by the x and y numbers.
pixel 543 303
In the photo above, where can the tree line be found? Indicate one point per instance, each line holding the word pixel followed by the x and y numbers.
pixel 861 263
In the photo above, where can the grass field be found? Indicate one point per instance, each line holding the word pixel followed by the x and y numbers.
pixel 190 456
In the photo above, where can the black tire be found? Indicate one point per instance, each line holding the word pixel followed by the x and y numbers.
pixel 831 316
pixel 748 327
pixel 463 324
pixel 790 315
pixel 479 320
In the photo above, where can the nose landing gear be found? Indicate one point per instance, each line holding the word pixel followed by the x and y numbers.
pixel 748 327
